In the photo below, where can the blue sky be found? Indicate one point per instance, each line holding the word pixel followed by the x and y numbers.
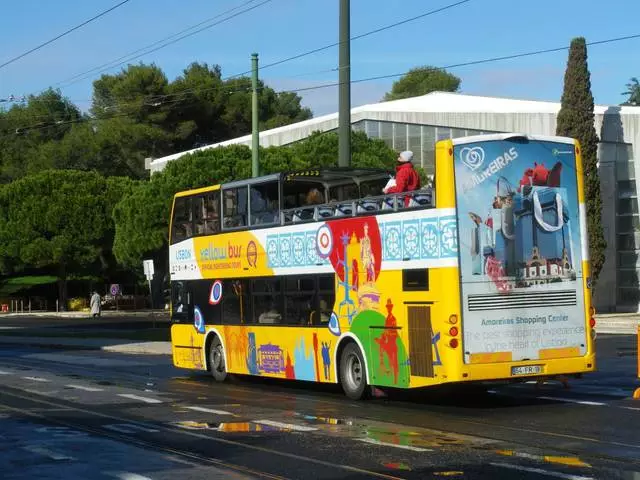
pixel 282 28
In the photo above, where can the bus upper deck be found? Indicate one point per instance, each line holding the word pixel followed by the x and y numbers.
pixel 290 198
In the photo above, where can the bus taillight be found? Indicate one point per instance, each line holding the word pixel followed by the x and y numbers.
pixel 453 319
pixel 592 320
pixel 453 343
pixel 453 331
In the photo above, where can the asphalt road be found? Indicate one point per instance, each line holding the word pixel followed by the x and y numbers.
pixel 79 414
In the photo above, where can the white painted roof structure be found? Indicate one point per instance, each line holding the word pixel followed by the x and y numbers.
pixel 454 110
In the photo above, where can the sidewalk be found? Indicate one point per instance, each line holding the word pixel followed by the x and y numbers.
pixel 111 345
pixel 160 314
pixel 618 323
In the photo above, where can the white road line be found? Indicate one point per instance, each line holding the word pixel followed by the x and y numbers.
pixel 137 397
pixel 2 372
pixel 631 408
pixel 131 476
pixel 36 379
pixel 47 453
pixel 210 410
pixel 287 426
pixel 387 444
pixel 86 389
pixel 570 400
pixel 541 471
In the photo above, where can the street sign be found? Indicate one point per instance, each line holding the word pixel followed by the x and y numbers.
pixel 148 268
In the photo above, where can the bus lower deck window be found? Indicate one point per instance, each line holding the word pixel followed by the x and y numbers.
pixel 415 279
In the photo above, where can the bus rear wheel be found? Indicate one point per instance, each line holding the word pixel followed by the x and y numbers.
pixel 353 378
pixel 216 360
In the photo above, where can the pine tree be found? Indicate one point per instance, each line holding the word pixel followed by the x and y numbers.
pixel 576 120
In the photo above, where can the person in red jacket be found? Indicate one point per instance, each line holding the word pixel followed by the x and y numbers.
pixel 407 179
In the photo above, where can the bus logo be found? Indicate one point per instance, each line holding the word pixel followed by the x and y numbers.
pixel 324 241
pixel 472 157
pixel 215 295
pixel 198 320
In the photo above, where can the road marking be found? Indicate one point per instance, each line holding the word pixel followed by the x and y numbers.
pixel 570 400
pixel 210 410
pixel 286 426
pixel 2 372
pixel 131 476
pixel 129 428
pixel 47 453
pixel 631 408
pixel 540 471
pixel 137 397
pixel 569 461
pixel 86 389
pixel 387 444
pixel 36 379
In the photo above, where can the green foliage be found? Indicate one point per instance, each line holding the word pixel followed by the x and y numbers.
pixel 54 220
pixel 633 92
pixel 142 216
pixel 422 80
pixel 576 120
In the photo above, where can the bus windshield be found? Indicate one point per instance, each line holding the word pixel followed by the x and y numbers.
pixel 520 248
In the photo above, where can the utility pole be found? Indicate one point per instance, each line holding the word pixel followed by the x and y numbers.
pixel 344 98
pixel 255 139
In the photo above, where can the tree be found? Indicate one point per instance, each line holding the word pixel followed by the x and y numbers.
pixel 142 216
pixel 55 221
pixel 576 120
pixel 633 92
pixel 422 80
pixel 24 128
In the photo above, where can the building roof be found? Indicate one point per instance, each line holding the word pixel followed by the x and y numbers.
pixel 435 102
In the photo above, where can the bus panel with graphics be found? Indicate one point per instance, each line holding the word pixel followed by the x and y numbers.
pixel 318 276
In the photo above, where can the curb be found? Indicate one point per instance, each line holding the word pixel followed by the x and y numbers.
pixel 143 348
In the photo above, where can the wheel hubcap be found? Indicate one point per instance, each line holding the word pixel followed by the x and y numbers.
pixel 353 372
pixel 216 359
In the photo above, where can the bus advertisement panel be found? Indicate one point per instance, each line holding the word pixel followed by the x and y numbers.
pixel 521 249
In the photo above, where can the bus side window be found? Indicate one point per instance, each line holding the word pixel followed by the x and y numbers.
pixel 416 279
pixel 182 219
pixel 207 213
pixel 235 207
pixel 180 302
pixel 268 305
pixel 236 302
pixel 326 299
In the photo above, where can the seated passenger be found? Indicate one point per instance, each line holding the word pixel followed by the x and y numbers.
pixel 407 179
pixel 314 197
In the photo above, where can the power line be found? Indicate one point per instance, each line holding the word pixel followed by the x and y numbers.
pixel 133 55
pixel 357 37
pixel 63 34
pixel 362 80
pixel 109 65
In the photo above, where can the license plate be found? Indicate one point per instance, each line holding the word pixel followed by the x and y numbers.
pixel 526 370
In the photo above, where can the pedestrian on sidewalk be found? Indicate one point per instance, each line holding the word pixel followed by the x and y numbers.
pixel 95 304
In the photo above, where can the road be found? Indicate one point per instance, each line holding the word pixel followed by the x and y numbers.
pixel 88 414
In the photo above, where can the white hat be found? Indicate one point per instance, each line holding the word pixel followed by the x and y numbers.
pixel 406 156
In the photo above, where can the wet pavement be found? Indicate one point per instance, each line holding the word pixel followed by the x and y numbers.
pixel 90 414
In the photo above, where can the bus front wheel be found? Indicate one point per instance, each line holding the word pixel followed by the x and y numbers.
pixel 216 360
pixel 352 372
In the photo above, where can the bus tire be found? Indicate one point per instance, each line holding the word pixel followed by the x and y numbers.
pixel 353 378
pixel 216 360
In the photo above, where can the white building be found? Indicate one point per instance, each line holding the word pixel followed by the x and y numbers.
pixel 417 123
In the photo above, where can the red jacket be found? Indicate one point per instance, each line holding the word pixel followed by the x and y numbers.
pixel 407 180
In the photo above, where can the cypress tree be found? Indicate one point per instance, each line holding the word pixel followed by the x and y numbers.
pixel 576 120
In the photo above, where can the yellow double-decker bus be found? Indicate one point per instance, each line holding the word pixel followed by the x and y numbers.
pixel 317 275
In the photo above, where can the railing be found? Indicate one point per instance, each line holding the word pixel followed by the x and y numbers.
pixel 364 206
